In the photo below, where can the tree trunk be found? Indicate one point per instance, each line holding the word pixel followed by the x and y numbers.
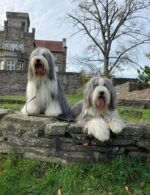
pixel 106 65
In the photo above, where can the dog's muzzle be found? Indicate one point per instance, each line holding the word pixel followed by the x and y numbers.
pixel 39 67
pixel 101 101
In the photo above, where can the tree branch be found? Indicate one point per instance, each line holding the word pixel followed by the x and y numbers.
pixel 125 51
pixel 87 31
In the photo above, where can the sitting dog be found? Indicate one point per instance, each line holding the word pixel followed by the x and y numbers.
pixel 97 114
pixel 44 93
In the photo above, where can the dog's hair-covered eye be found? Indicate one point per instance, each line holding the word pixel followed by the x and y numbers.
pixel 95 85
pixel 50 61
pixel 87 95
pixel 44 55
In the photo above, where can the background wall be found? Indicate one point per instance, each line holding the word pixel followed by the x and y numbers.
pixel 14 83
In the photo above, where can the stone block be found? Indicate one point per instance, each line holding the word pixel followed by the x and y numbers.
pixel 56 129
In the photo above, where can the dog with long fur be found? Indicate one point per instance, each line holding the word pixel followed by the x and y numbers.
pixel 97 115
pixel 44 93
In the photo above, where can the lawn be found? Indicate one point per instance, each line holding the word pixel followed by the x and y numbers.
pixel 12 97
pixel 72 99
pixel 19 176
pixel 134 114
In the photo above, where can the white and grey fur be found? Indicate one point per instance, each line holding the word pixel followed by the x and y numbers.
pixel 95 121
pixel 44 93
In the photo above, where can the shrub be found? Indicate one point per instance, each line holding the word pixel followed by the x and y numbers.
pixel 144 74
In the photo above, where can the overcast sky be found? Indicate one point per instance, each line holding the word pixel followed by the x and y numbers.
pixel 48 17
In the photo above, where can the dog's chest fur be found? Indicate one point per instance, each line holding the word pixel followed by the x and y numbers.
pixel 44 90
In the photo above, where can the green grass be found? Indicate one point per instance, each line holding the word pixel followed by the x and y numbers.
pixel 129 114
pixel 72 99
pixel 20 176
pixel 12 97
pixel 11 106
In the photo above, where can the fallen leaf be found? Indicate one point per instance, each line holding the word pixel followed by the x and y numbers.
pixel 142 183
pixel 2 170
pixel 59 192
pixel 127 190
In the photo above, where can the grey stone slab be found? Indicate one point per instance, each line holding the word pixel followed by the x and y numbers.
pixel 57 128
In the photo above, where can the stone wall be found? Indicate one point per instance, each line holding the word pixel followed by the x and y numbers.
pixel 133 86
pixel 119 81
pixel 48 139
pixel 133 91
pixel 144 104
pixel 14 82
pixel 70 81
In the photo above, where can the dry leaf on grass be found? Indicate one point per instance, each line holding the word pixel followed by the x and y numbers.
pixel 59 192
pixel 2 170
pixel 127 190
pixel 142 183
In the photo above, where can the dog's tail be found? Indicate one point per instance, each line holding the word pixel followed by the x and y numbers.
pixel 66 110
pixel 77 109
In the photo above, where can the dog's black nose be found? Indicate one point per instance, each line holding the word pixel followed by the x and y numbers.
pixel 101 93
pixel 38 60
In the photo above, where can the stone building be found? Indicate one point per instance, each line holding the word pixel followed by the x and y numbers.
pixel 16 44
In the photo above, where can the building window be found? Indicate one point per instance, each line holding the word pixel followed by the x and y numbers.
pixel 55 57
pixel 10 65
pixel 1 52
pixel 2 67
pixel 56 68
pixel 21 65
pixel 20 47
pixel 14 46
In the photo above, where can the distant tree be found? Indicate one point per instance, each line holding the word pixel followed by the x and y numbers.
pixel 144 74
pixel 114 28
pixel 148 55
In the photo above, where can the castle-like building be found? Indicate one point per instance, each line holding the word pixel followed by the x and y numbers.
pixel 16 44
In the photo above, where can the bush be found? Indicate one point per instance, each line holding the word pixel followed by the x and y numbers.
pixel 144 74
pixel 84 78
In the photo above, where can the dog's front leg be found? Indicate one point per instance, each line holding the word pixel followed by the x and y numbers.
pixel 115 123
pixel 98 128
pixel 31 106
pixel 53 109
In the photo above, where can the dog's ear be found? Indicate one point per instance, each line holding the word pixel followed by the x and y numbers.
pixel 110 87
pixel 51 64
pixel 87 95
pixel 30 72
pixel 98 75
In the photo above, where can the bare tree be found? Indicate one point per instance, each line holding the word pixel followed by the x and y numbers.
pixel 113 27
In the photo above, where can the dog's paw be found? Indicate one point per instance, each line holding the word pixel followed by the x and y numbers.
pixel 116 125
pixel 24 112
pixel 98 128
pixel 53 109
pixel 30 109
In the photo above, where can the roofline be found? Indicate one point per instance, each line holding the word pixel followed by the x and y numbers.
pixel 46 40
